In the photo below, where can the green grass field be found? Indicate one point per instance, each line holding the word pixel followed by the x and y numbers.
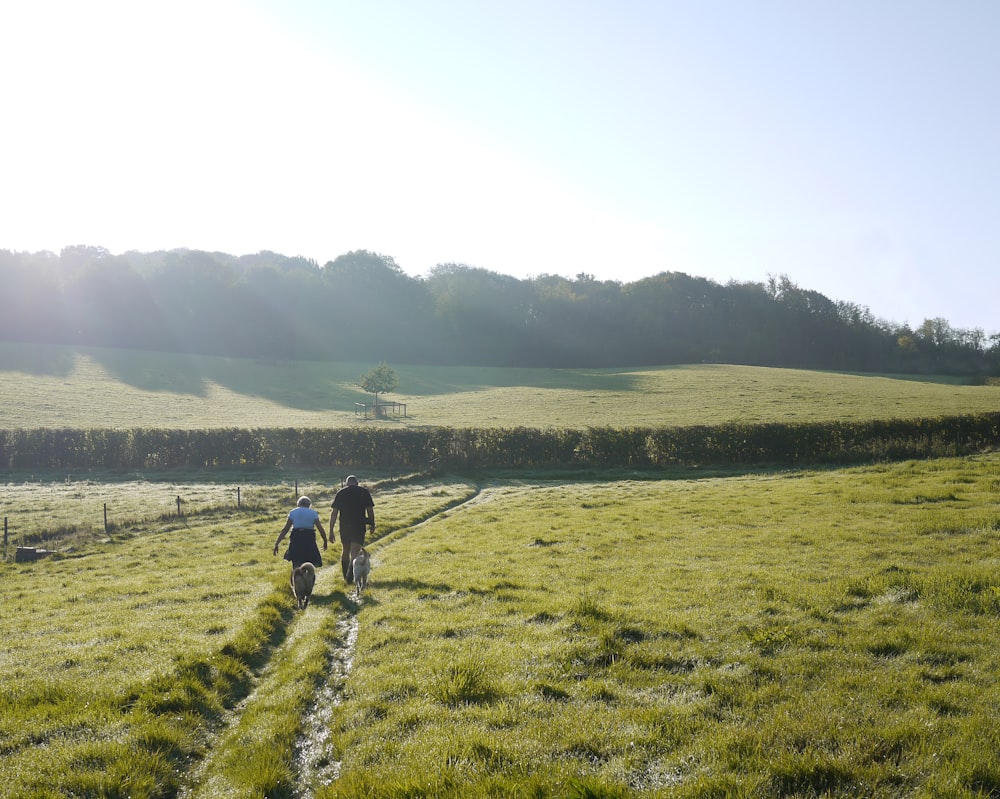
pixel 799 634
pixel 782 633
pixel 63 387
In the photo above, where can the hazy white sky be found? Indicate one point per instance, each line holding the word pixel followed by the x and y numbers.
pixel 850 144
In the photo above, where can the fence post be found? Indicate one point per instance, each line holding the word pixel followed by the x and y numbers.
pixel 105 518
pixel 179 505
pixel 5 536
pixel 237 496
pixel 296 490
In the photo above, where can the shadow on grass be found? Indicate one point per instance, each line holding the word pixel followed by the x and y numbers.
pixel 337 599
pixel 37 359
pixel 411 584
pixel 944 380
pixel 331 385
pixel 431 380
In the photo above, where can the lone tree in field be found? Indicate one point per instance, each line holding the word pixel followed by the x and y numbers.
pixel 380 380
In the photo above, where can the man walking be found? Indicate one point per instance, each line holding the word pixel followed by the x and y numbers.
pixel 356 510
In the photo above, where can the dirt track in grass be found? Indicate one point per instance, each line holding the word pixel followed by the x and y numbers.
pixel 316 763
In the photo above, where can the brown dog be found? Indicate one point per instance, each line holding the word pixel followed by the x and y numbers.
pixel 303 581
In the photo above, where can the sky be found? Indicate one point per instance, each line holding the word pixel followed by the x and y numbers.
pixel 851 145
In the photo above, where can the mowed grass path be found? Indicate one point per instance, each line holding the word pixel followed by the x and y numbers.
pixel 828 633
pixel 94 388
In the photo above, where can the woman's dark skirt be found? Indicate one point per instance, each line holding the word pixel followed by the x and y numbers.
pixel 302 547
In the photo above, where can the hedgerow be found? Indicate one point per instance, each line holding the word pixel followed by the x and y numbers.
pixel 477 448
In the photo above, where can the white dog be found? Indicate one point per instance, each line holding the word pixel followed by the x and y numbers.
pixel 303 581
pixel 362 566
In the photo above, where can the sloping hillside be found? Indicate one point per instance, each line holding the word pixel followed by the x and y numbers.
pixel 91 387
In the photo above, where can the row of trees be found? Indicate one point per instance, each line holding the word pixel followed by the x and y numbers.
pixel 362 306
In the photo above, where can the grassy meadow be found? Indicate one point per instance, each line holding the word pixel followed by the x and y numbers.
pixel 96 388
pixel 120 658
pixel 797 634
pixel 692 635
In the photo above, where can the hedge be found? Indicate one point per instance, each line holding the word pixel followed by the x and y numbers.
pixel 489 448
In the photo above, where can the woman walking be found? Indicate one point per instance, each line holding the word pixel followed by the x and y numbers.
pixel 303 522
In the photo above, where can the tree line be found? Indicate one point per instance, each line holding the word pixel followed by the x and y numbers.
pixel 363 307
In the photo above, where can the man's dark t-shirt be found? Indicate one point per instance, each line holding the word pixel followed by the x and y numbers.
pixel 351 503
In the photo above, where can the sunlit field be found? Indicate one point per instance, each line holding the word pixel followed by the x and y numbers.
pixel 120 652
pixel 63 387
pixel 69 509
pixel 795 634
pixel 788 633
